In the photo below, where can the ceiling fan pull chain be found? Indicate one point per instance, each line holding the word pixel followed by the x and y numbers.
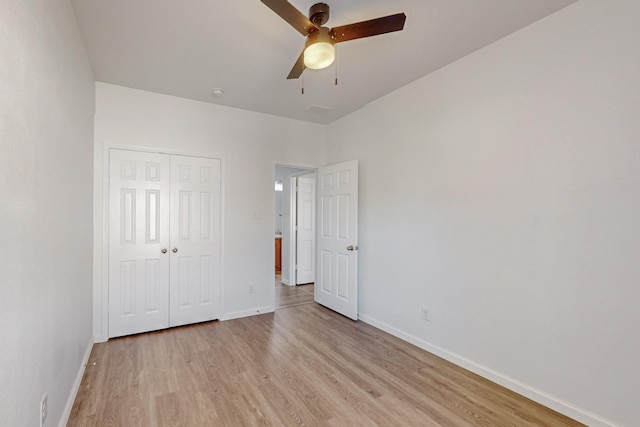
pixel 302 89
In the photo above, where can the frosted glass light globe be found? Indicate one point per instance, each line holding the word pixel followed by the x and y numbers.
pixel 319 55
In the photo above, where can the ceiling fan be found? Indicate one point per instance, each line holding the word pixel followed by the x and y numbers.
pixel 318 50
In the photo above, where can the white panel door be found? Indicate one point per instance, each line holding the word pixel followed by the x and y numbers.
pixel 306 230
pixel 138 242
pixel 337 254
pixel 195 240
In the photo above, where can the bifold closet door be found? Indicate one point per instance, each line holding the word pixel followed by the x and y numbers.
pixel 164 241
pixel 138 242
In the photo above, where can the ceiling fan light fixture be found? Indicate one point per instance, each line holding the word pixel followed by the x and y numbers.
pixel 319 52
pixel 319 55
pixel 319 48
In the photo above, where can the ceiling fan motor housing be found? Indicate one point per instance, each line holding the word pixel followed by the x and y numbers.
pixel 319 14
pixel 320 36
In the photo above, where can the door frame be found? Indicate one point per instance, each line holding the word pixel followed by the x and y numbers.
pixel 306 169
pixel 316 173
pixel 101 228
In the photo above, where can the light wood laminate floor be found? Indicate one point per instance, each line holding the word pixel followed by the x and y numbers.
pixel 291 296
pixel 304 365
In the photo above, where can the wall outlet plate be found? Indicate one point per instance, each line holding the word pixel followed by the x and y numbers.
pixel 425 314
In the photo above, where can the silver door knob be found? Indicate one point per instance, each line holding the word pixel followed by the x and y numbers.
pixel 350 248
pixel 163 250
pixel 174 250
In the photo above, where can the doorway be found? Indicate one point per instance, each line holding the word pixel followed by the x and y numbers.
pixel 294 232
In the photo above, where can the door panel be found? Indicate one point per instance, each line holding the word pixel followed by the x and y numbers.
pixel 337 278
pixel 138 231
pixel 306 230
pixel 195 238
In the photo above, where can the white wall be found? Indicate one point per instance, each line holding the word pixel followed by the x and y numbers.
pixel 250 144
pixel 502 192
pixel 46 146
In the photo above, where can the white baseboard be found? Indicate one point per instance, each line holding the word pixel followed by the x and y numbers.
pixel 100 338
pixel 558 405
pixel 247 313
pixel 76 386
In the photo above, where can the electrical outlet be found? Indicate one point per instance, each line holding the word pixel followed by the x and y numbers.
pixel 252 288
pixel 43 410
pixel 425 314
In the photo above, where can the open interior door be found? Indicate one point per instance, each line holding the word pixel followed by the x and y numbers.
pixel 337 255
pixel 306 230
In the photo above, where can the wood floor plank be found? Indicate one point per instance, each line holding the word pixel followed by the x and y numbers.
pixel 300 366
pixel 291 296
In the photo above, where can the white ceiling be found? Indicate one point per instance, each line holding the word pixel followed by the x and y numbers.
pixel 188 47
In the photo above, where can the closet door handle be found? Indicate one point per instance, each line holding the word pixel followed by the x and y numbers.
pixel 174 250
pixel 163 250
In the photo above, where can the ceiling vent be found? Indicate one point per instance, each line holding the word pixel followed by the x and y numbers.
pixel 317 109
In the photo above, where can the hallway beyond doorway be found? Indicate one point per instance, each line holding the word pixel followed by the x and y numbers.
pixel 291 296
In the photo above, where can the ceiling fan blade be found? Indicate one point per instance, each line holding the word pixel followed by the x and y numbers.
pixel 293 16
pixel 298 67
pixel 372 27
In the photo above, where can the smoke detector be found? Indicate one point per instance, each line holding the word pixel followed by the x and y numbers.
pixel 217 92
